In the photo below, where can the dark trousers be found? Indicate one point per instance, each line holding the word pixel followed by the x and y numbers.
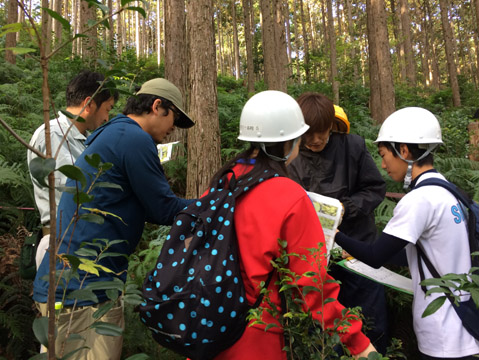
pixel 356 290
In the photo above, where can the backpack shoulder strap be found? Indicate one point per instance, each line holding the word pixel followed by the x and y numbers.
pixel 452 188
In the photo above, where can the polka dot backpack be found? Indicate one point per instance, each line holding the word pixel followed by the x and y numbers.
pixel 194 298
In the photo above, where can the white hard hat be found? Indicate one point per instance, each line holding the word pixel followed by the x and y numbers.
pixel 411 125
pixel 271 116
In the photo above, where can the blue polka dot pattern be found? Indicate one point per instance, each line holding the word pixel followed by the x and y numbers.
pixel 194 297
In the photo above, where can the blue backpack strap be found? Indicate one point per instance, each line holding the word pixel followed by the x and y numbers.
pixel 452 188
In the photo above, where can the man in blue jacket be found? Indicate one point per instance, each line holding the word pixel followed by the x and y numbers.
pixel 140 193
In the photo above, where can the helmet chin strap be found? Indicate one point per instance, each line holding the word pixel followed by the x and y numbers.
pixel 277 158
pixel 408 177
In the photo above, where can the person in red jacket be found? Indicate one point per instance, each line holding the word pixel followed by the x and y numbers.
pixel 279 208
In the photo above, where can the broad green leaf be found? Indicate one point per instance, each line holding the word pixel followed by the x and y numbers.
pixel 72 260
pixel 91 266
pixel 106 24
pixel 40 168
pixel 107 329
pixel 86 252
pixel 104 213
pixel 103 310
pixel 114 242
pixel 82 198
pixel 72 353
pixel 111 254
pixel 93 160
pixel 40 329
pixel 71 116
pixel 434 306
pixel 124 2
pixel 65 23
pixel 83 295
pixel 115 284
pixel 73 172
pixel 133 299
pixel 104 184
pixel 19 50
pixel 138 9
pixel 11 28
pixel 93 218
pixel 113 295
pixel 308 289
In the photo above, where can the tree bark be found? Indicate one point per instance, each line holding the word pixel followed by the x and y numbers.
pixel 89 44
pixel 307 66
pixel 176 63
pixel 204 138
pixel 273 46
pixel 297 43
pixel 449 46
pixel 352 39
pixel 384 103
pixel 248 26
pixel 235 40
pixel 409 51
pixel 397 30
pixel 332 54
pixel 476 7
pixel 10 38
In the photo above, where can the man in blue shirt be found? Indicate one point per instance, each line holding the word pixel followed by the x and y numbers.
pixel 140 193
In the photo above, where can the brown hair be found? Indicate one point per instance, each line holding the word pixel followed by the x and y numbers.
pixel 318 111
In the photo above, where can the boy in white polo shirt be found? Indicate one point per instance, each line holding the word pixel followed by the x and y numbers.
pixel 405 142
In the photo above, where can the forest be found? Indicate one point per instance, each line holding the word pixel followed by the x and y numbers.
pixel 371 57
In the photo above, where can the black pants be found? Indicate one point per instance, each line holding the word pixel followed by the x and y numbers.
pixel 356 290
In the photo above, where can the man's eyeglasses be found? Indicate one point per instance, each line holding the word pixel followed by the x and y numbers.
pixel 176 115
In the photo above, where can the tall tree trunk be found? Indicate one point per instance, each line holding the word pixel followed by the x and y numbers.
pixel 176 62
pixel 204 138
pixel 409 51
pixel 57 26
pixel 297 43
pixel 274 44
pixel 248 29
pixel 11 39
pixel 397 29
pixel 307 65
pixel 220 43
pixel 288 39
pixel 158 33
pixel 476 38
pixel 377 20
pixel 137 32
pixel 280 48
pixel 352 37
pixel 89 44
pixel 333 55
pixel 451 65
pixel 235 40
pixel 120 31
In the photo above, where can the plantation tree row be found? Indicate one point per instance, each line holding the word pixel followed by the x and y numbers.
pixel 430 41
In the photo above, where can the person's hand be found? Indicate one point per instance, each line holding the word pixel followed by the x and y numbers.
pixel 365 352
pixel 345 254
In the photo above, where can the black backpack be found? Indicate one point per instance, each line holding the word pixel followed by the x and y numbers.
pixel 195 301
pixel 466 310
